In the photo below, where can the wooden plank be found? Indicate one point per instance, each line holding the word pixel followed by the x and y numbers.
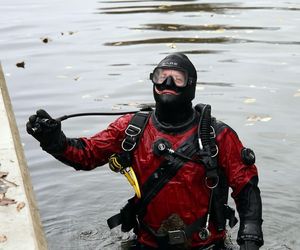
pixel 19 228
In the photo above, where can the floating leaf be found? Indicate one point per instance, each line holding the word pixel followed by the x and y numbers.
pixel 266 119
pixel 172 27
pixel 171 45
pixel 115 107
pixel 20 64
pixel 118 43
pixel 220 30
pixel 297 94
pixel 256 118
pixel 250 100
pixel 45 39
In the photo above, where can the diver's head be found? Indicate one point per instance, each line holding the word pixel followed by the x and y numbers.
pixel 174 84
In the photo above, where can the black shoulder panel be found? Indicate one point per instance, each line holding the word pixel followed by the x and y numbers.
pixel 219 126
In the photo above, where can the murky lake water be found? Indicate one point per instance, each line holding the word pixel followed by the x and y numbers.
pixel 98 58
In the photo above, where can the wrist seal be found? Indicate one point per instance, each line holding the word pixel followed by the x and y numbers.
pixel 250 231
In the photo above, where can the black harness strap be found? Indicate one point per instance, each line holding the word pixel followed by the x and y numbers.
pixel 134 129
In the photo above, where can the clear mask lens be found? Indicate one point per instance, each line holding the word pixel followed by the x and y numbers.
pixel 180 78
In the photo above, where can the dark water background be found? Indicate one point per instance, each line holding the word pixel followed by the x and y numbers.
pixel 98 58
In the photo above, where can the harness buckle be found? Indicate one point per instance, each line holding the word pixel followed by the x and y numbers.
pixel 129 143
pixel 177 237
pixel 132 130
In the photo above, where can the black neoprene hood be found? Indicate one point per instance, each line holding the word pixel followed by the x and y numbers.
pixel 179 61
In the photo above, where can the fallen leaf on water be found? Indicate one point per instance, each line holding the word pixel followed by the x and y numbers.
pixel 3 238
pixel 220 30
pixel 20 64
pixel 256 118
pixel 76 78
pixel 172 27
pixel 115 107
pixel 297 94
pixel 171 45
pixel 20 206
pixel 250 100
pixel 69 33
pixel 118 43
pixel 266 119
pixel 45 39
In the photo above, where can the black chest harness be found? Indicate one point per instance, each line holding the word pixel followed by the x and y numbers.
pixel 131 215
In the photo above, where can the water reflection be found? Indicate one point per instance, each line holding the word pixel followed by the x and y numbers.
pixel 203 51
pixel 163 8
pixel 217 8
pixel 219 84
pixel 207 27
pixel 172 40
pixel 218 40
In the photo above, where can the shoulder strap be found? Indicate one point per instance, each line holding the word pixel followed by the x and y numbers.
pixel 134 130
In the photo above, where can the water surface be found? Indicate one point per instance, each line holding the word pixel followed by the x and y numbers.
pixel 98 57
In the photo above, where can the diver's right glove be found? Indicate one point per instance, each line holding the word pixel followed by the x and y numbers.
pixel 47 131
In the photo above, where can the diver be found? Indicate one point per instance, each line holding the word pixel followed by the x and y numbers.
pixel 181 162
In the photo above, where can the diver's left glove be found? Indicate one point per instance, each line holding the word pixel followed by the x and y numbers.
pixel 47 131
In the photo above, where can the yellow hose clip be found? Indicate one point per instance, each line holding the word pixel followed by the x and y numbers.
pixel 117 163
pixel 131 177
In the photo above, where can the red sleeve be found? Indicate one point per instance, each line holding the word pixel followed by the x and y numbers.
pixel 230 159
pixel 88 153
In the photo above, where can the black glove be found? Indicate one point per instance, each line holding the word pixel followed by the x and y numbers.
pixel 250 210
pixel 47 131
pixel 249 245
